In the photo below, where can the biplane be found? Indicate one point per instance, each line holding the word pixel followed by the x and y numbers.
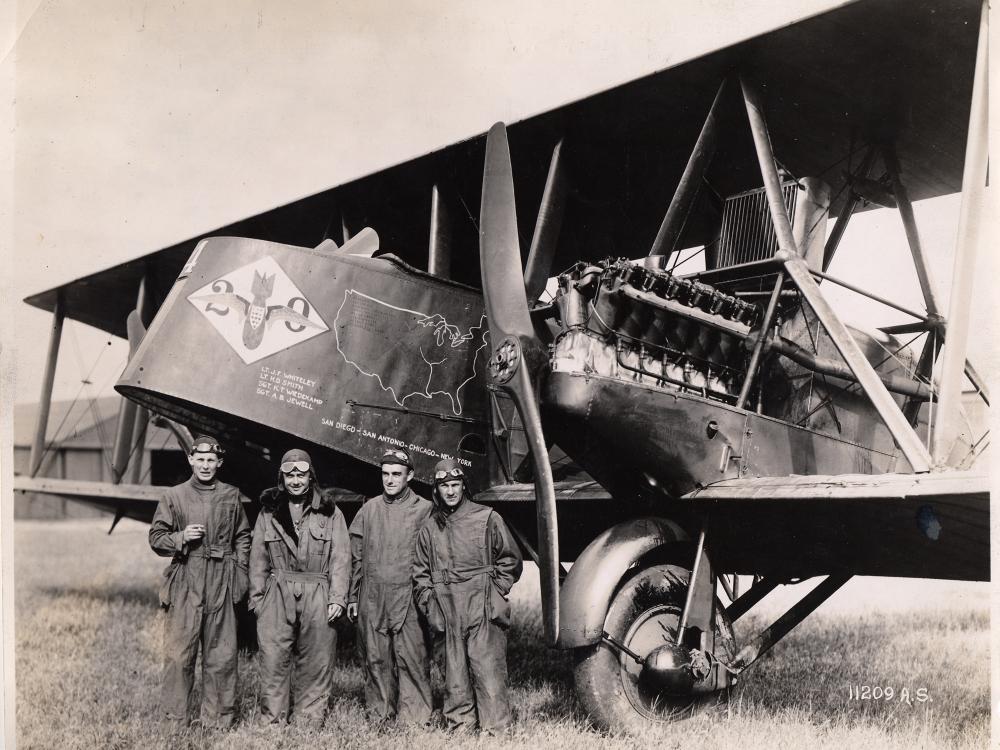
pixel 518 301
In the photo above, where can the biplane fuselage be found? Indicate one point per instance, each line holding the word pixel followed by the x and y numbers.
pixel 714 424
pixel 397 356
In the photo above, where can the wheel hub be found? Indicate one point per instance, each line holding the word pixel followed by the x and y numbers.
pixel 668 669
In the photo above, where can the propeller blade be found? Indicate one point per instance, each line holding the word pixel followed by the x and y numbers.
pixel 363 243
pixel 917 327
pixel 523 393
pixel 518 358
pixel 547 226
pixel 499 247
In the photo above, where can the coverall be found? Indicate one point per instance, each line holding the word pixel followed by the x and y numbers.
pixel 295 574
pixel 396 658
pixel 204 580
pixel 462 574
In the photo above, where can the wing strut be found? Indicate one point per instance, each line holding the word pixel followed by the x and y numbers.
pixel 799 272
pixel 119 515
pixel 764 640
pixel 837 233
pixel 758 347
pixel 439 245
pixel 910 226
pixel 45 401
pixel 966 246
pixel 687 189
pixel 547 226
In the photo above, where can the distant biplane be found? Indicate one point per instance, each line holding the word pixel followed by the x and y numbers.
pixel 667 432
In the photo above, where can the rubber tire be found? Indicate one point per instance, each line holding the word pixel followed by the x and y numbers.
pixel 598 674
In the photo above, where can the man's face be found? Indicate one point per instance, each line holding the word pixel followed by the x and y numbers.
pixel 204 466
pixel 395 477
pixel 296 482
pixel 451 492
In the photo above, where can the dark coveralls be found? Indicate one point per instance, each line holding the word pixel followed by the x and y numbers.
pixel 295 574
pixel 462 575
pixel 396 658
pixel 203 582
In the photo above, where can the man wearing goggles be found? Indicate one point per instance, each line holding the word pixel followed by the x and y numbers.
pixel 300 566
pixel 397 667
pixel 465 565
pixel 202 527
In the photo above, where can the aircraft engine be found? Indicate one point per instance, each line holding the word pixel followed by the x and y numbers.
pixel 645 325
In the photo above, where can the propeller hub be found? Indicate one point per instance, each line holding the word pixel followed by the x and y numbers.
pixel 505 360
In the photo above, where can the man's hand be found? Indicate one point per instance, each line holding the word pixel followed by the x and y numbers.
pixel 333 611
pixel 352 611
pixel 193 532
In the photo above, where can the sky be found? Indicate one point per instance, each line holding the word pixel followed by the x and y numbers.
pixel 136 125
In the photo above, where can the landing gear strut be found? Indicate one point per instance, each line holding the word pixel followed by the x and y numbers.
pixel 639 672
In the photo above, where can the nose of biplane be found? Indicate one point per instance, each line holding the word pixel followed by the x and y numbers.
pixel 237 306
pixel 260 342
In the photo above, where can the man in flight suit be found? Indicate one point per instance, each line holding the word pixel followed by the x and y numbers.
pixel 201 525
pixel 300 567
pixel 465 565
pixel 381 597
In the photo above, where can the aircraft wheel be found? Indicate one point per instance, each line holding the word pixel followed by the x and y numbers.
pixel 643 615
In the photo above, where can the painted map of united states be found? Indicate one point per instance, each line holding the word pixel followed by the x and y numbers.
pixel 420 358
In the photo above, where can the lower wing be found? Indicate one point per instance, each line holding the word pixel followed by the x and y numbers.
pixel 933 525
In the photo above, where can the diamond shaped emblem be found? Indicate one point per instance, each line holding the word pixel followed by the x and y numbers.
pixel 258 310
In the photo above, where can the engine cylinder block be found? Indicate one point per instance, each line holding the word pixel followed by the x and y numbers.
pixel 645 325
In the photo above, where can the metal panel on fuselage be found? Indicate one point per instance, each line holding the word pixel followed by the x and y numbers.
pixel 350 353
pixel 676 441
pixel 649 446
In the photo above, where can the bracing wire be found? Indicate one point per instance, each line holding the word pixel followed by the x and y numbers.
pixel 56 435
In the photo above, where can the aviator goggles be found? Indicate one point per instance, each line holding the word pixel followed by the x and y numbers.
pixel 403 457
pixel 289 466
pixel 206 447
pixel 439 475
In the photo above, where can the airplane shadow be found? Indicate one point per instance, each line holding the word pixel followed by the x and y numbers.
pixel 530 661
pixel 145 596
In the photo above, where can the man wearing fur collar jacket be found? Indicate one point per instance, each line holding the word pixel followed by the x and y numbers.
pixel 300 566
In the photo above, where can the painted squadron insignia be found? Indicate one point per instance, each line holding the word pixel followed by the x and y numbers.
pixel 258 310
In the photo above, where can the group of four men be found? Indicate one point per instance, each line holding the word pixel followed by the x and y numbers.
pixel 407 571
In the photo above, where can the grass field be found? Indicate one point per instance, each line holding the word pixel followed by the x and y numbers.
pixel 88 641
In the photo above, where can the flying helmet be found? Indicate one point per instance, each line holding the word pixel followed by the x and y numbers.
pixel 296 459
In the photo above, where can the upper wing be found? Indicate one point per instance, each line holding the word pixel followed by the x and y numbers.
pixel 933 525
pixel 903 69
